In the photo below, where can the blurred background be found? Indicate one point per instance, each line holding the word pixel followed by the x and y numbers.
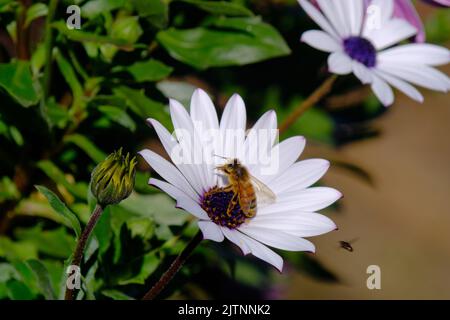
pixel 72 96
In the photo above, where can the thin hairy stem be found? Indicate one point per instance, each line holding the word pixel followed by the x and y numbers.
pixel 81 245
pixel 174 267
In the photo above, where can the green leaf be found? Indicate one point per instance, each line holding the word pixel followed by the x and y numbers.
pixel 16 135
pixel 221 7
pixel 180 91
pixel 315 124
pixel 157 207
pixel 141 227
pixel 16 250
pixel 33 207
pixel 69 75
pixel 155 11
pixel 53 172
pixel 43 278
pixel 38 59
pixel 227 42
pixel 57 115
pixel 150 70
pixel 143 106
pixel 35 11
pixel 61 208
pixel 95 7
pixel 7 271
pixel 17 80
pixel 56 243
pixel 148 266
pixel 87 146
pixel 119 116
pixel 8 189
pixel 123 28
pixel 82 36
pixel 18 291
pixel 116 295
pixel 103 232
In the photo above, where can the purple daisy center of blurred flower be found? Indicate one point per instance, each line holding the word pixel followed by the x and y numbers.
pixel 361 50
pixel 215 202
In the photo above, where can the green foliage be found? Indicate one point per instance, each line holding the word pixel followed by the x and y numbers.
pixel 224 42
pixel 61 209
pixel 16 79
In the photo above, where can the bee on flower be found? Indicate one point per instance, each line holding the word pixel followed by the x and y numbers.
pixel 255 202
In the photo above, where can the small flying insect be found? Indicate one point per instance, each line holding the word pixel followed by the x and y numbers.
pixel 245 188
pixel 347 245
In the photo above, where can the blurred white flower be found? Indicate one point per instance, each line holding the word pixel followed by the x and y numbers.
pixel 360 42
pixel 198 188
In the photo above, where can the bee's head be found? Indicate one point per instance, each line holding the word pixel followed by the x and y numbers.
pixel 230 167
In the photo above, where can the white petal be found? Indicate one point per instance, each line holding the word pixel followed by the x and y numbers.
pixel 206 123
pixel 237 238
pixel 377 14
pixel 354 15
pixel 401 85
pixel 300 225
pixel 173 149
pixel 262 252
pixel 300 175
pixel 306 200
pixel 168 171
pixel 283 155
pixel 321 41
pixel 189 142
pixel 171 190
pixel 277 239
pixel 192 207
pixel 382 90
pixel 211 231
pixel 420 75
pixel 392 32
pixel 232 127
pixel 318 18
pixel 339 63
pixel 416 53
pixel 362 72
pixel 333 11
pixel 259 142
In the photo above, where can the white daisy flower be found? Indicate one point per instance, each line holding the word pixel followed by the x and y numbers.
pixel 360 40
pixel 198 187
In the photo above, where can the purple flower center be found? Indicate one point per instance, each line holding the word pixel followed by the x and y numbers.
pixel 361 50
pixel 216 203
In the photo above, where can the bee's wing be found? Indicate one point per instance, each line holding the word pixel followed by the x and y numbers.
pixel 263 193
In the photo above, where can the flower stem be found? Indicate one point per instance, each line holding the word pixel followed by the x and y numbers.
pixel 48 44
pixel 81 244
pixel 313 98
pixel 174 267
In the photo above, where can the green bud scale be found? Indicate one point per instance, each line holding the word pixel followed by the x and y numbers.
pixel 112 180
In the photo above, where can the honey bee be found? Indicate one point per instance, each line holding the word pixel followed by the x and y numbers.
pixel 347 245
pixel 245 188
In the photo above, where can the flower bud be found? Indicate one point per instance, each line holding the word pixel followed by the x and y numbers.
pixel 112 180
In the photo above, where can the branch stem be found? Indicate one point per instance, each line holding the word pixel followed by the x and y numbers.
pixel 174 267
pixel 313 98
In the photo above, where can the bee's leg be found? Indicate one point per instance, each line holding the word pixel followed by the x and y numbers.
pixel 250 213
pixel 232 204
pixel 228 188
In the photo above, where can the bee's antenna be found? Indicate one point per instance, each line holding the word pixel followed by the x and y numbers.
pixel 216 155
